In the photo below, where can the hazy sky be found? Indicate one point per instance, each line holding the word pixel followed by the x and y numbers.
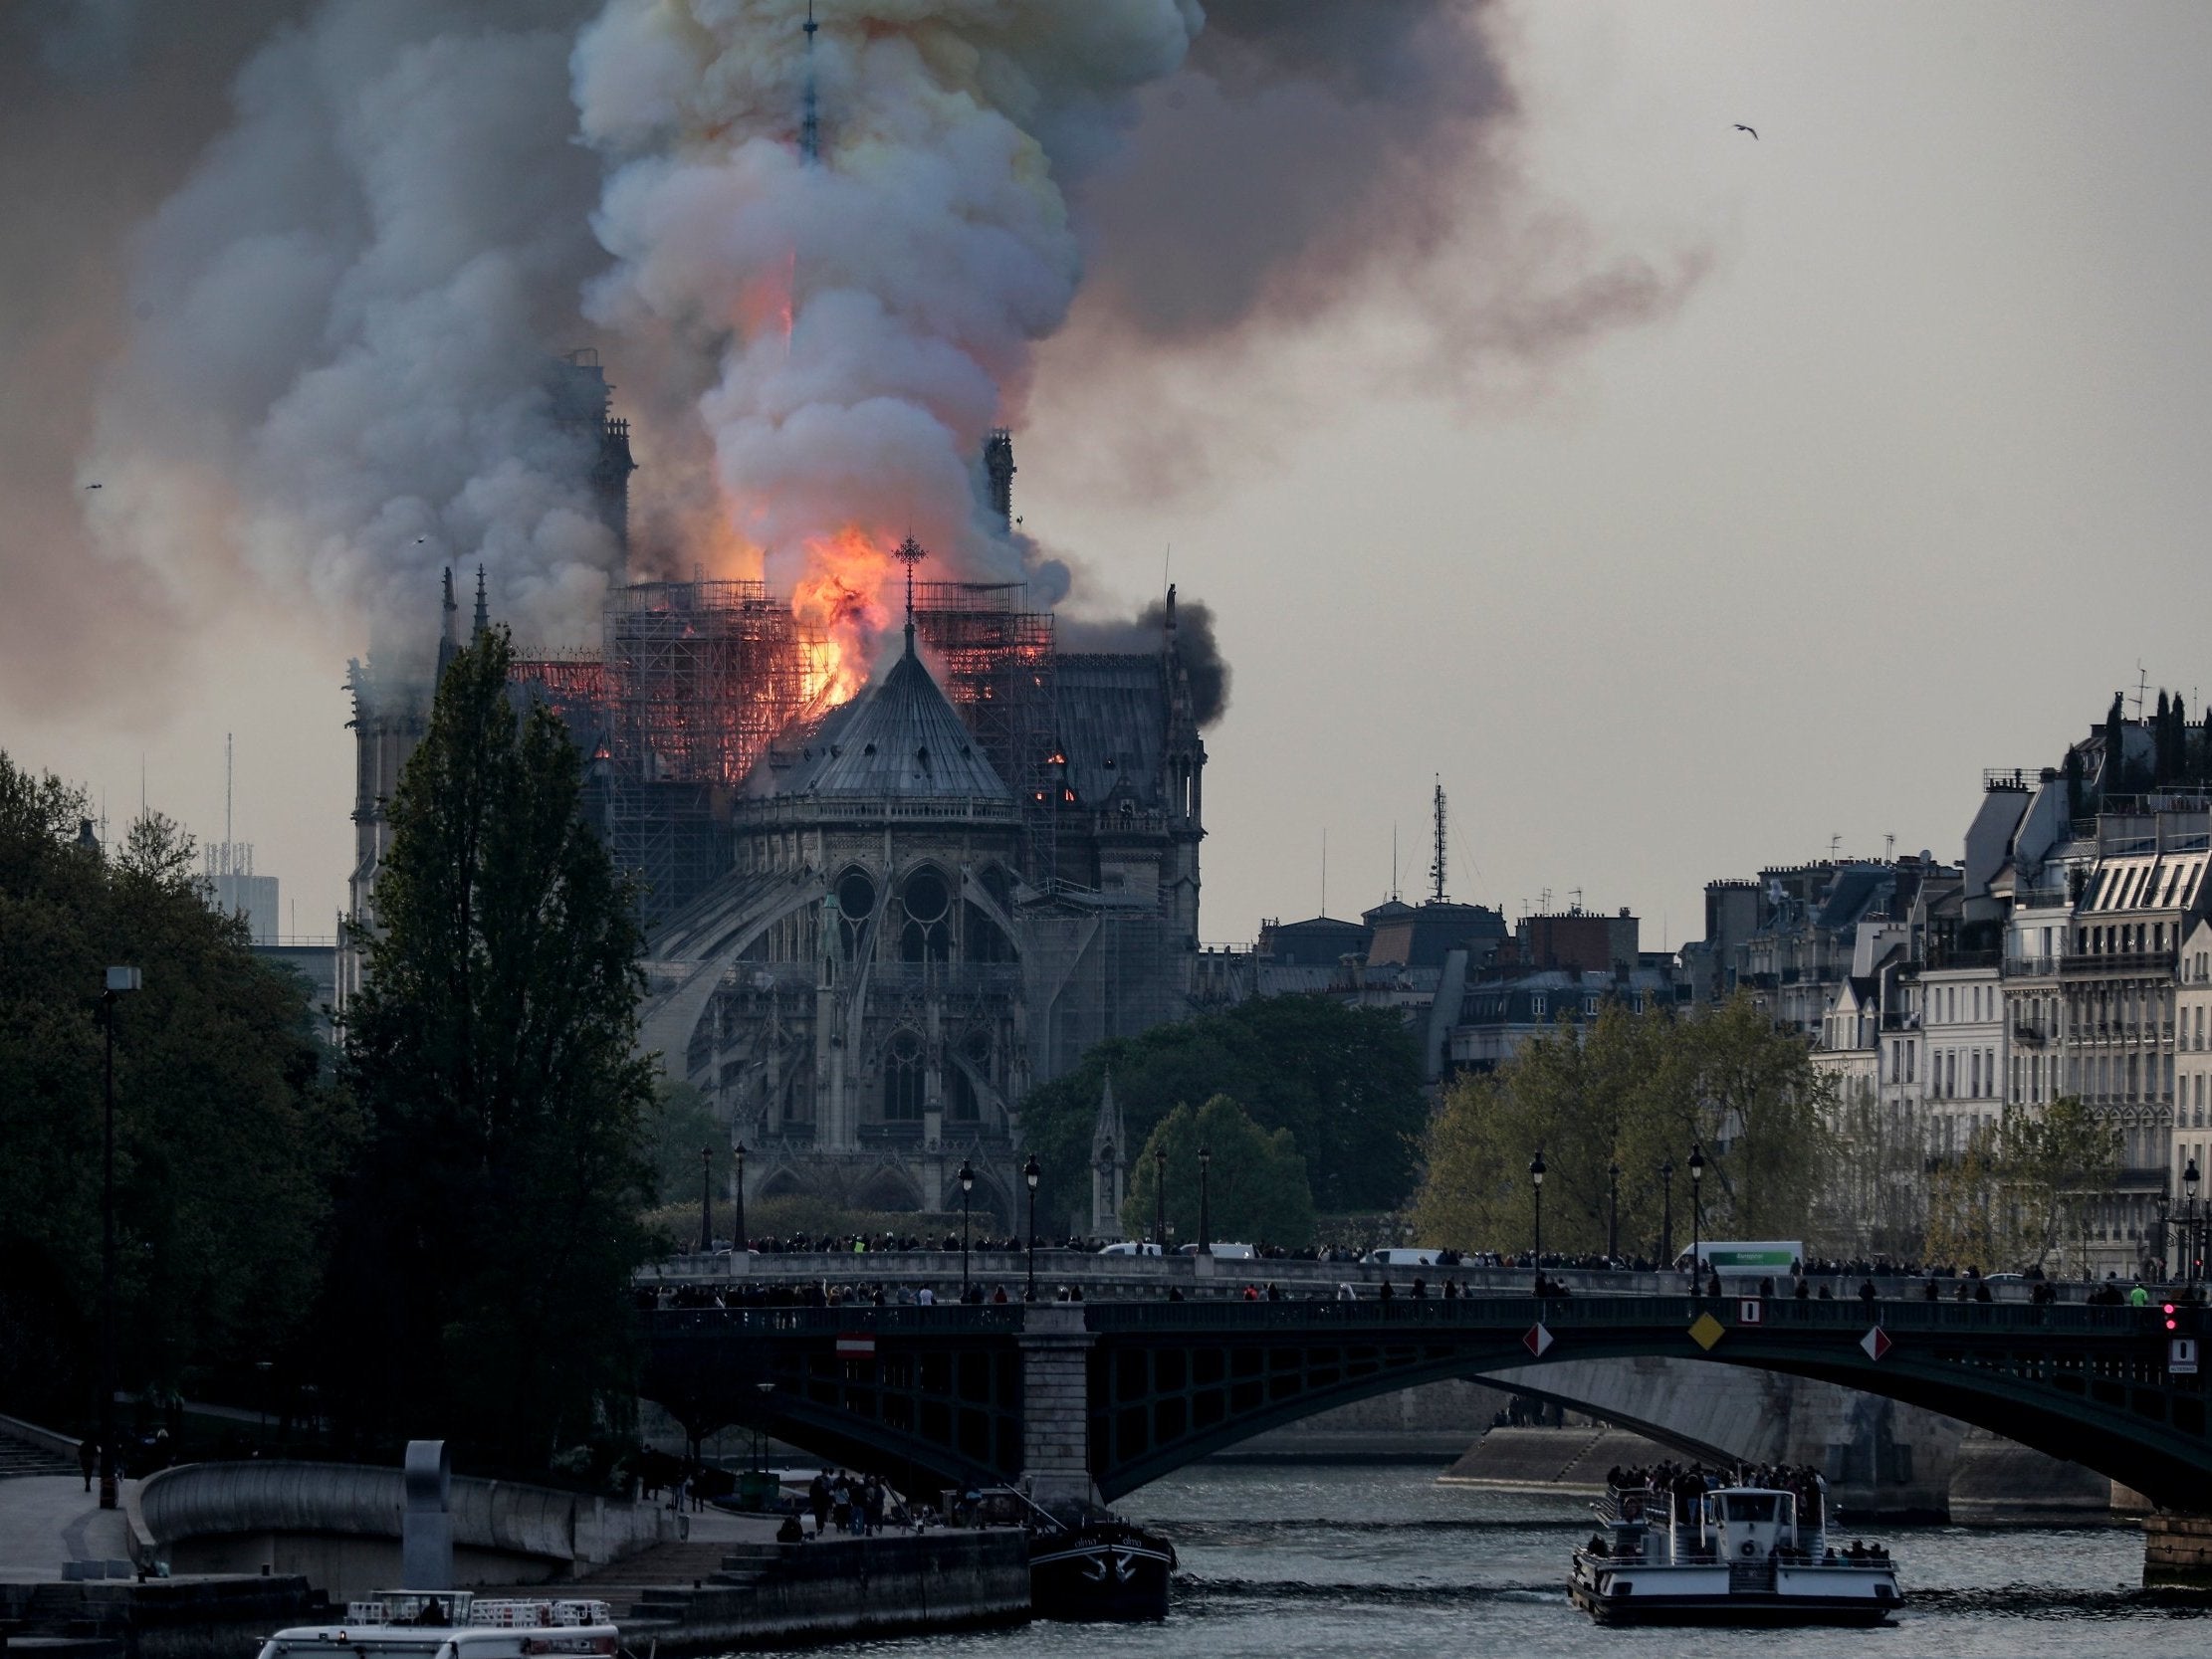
pixel 1902 485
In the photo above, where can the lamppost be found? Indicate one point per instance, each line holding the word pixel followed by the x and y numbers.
pixel 1160 1199
pixel 706 1200
pixel 740 1236
pixel 2189 1179
pixel 1697 1219
pixel 1205 1219
pixel 966 1186
pixel 1613 1224
pixel 1536 1184
pixel 1029 1173
pixel 120 981
pixel 1666 1226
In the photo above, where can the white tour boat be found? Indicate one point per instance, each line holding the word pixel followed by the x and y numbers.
pixel 453 1624
pixel 1742 1555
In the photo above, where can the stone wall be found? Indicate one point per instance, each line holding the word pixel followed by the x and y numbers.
pixel 2177 1551
pixel 339 1525
pixel 846 1588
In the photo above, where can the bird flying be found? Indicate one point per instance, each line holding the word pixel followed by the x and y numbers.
pixel 1740 127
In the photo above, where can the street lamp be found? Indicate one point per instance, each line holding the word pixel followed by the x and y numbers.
pixel 1536 1183
pixel 120 980
pixel 1160 1199
pixel 1666 1226
pixel 706 1200
pixel 1029 1173
pixel 1698 1220
pixel 1205 1219
pixel 2189 1179
pixel 967 1187
pixel 741 1243
pixel 1613 1227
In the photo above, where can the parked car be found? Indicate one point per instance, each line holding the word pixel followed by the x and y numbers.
pixel 1130 1247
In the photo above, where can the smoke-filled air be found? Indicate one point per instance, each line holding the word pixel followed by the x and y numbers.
pixel 815 266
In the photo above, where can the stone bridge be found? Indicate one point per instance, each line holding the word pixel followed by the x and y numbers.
pixel 1104 1396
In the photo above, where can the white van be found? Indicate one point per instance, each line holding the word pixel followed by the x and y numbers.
pixel 1756 1258
pixel 1226 1252
pixel 1403 1258
pixel 1130 1247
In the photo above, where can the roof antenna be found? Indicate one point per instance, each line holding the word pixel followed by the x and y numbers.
pixel 810 126
pixel 909 553
pixel 1324 870
pixel 1437 870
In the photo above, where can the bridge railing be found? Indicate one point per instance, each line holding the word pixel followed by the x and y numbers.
pixel 1558 1313
pixel 988 1320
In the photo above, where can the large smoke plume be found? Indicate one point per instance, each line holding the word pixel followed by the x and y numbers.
pixel 326 375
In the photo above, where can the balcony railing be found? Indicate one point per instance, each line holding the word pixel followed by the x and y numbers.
pixel 2116 963
pixel 2030 967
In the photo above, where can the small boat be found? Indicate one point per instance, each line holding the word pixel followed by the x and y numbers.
pixel 454 1624
pixel 1742 1555
pixel 1099 1568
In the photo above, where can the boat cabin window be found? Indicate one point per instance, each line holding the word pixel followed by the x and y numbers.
pixel 1753 1505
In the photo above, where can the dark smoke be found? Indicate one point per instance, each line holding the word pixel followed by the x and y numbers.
pixel 1300 145
pixel 1307 161
pixel 1195 643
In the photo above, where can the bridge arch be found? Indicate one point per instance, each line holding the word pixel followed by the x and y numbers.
pixel 942 1388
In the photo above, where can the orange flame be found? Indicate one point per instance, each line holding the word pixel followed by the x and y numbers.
pixel 841 600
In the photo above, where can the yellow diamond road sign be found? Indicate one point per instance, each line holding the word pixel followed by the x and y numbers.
pixel 1706 1332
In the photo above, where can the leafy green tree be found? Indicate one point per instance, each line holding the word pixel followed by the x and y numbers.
pixel 226 1127
pixel 1346 1082
pixel 680 1124
pixel 1633 1091
pixel 2020 1187
pixel 1256 1190
pixel 493 1222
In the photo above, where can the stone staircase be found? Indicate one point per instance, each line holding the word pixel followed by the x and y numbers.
pixel 20 1457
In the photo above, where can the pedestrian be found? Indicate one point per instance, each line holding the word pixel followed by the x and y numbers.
pixel 840 1502
pixel 817 1500
pixel 1867 1292
pixel 88 1459
pixel 875 1498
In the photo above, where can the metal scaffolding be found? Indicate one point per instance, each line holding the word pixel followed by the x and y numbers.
pixel 995 660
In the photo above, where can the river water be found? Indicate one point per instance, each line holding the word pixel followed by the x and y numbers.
pixel 1284 1562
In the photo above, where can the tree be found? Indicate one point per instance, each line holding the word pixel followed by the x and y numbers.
pixel 1346 1082
pixel 1636 1091
pixel 2111 780
pixel 2020 1187
pixel 226 1126
pixel 1257 1191
pixel 493 1220
pixel 680 1125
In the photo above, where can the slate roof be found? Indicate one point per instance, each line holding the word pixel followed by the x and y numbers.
pixel 902 740
pixel 1113 724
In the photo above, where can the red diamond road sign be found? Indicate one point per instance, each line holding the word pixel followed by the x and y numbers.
pixel 1537 1340
pixel 1877 1343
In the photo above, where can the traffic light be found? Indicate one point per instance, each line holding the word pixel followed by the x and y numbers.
pixel 2172 1322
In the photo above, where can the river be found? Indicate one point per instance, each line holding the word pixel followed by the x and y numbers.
pixel 1288 1563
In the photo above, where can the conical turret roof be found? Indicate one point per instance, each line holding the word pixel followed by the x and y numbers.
pixel 903 741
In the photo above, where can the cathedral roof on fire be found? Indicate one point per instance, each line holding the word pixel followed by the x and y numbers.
pixel 902 740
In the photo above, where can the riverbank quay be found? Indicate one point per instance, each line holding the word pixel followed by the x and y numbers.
pixel 70 1585
pixel 705 1598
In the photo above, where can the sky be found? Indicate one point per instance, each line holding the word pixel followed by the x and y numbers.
pixel 1899 479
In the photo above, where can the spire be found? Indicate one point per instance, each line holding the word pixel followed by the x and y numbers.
pixel 910 552
pixel 810 126
pixel 483 611
pixel 447 644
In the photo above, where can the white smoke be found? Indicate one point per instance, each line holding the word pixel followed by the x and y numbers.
pixel 873 316
pixel 338 376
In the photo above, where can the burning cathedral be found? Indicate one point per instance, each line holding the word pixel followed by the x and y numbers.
pixel 874 921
